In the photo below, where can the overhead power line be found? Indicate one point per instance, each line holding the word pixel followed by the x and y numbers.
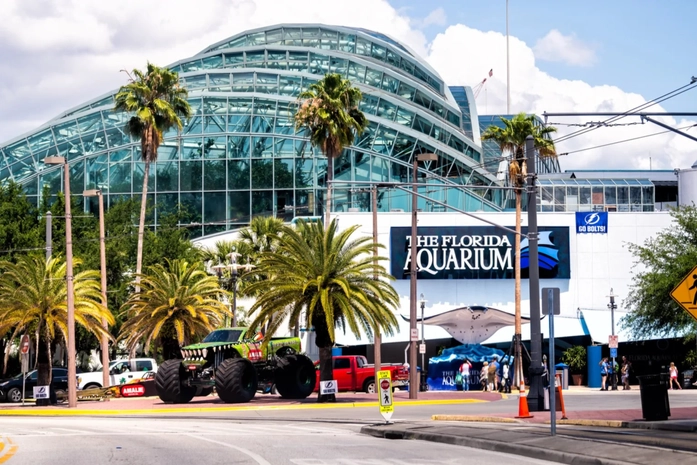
pixel 636 109
pixel 625 140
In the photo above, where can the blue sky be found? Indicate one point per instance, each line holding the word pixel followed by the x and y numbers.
pixel 643 46
pixel 566 56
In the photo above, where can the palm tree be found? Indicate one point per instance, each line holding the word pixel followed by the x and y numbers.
pixel 158 104
pixel 329 112
pixel 511 140
pixel 322 278
pixel 175 305
pixel 262 235
pixel 33 300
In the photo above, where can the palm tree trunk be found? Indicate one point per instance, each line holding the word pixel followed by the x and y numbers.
pixel 43 366
pixel 518 378
pixel 330 178
pixel 326 362
pixel 141 227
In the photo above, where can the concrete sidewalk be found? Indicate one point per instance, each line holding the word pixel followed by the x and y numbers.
pixel 572 445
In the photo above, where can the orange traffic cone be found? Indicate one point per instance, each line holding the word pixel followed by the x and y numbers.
pixel 523 411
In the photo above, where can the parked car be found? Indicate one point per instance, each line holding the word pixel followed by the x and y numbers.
pixel 11 389
pixel 354 373
pixel 120 372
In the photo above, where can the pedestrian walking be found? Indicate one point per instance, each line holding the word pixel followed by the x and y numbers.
pixel 673 371
pixel 465 374
pixel 491 375
pixel 626 366
pixel 604 371
pixel 483 375
pixel 505 376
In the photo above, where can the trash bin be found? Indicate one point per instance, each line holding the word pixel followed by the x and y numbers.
pixel 654 397
pixel 562 370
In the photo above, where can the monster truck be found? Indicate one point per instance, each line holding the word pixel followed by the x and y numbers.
pixel 236 366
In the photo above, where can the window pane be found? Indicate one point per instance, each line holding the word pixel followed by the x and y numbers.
pixel 262 203
pixel 238 174
pixel 191 174
pixel 214 175
pixel 239 207
pixel 262 174
pixel 283 172
pixel 214 207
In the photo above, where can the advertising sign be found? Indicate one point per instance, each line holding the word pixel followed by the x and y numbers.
pixel 328 387
pixel 41 392
pixel 385 392
pixel 591 222
pixel 476 252
pixel 132 390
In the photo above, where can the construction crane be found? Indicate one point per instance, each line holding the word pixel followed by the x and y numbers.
pixel 478 88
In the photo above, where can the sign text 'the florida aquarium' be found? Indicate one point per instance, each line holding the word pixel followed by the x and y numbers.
pixel 476 252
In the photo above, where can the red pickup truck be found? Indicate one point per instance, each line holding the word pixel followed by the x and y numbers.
pixel 354 373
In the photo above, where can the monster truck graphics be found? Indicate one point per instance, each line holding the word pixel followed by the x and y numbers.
pixel 236 366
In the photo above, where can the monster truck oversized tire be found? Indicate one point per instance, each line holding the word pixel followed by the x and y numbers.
pixel 236 381
pixel 169 383
pixel 296 378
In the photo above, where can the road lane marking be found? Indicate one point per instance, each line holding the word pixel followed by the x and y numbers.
pixel 10 452
pixel 258 458
pixel 158 411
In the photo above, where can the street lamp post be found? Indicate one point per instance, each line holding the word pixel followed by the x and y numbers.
pixel 104 342
pixel 613 306
pixel 234 268
pixel 70 298
pixel 413 334
pixel 422 302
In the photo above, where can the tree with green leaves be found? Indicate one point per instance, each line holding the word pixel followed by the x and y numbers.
pixel 19 228
pixel 33 300
pixel 323 279
pixel 329 112
pixel 178 303
pixel 511 141
pixel 664 260
pixel 158 103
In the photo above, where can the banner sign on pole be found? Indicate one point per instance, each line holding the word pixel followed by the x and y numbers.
pixel 591 222
pixel 328 387
pixel 41 392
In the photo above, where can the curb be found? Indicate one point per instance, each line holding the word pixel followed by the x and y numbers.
pixel 474 418
pixel 486 444
pixel 158 411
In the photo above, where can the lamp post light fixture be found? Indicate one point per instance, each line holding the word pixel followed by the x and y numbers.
pixel 70 298
pixel 104 341
pixel 413 335
pixel 422 348
pixel 235 269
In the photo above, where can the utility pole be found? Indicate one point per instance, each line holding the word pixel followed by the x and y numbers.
pixel 377 337
pixel 508 69
pixel 49 235
pixel 613 306
pixel 536 395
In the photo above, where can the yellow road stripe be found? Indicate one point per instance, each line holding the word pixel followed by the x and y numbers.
pixel 154 411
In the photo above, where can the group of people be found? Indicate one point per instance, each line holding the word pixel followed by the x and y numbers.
pixel 608 370
pixel 494 375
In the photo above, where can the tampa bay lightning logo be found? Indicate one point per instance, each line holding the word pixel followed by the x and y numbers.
pixel 591 219
pixel 548 253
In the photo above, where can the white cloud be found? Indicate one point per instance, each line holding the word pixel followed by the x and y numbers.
pixel 555 46
pixel 436 17
pixel 58 54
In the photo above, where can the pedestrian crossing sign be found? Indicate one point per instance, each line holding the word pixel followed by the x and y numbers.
pixel 685 293
pixel 384 389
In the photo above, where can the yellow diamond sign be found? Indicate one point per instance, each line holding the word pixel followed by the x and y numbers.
pixel 685 293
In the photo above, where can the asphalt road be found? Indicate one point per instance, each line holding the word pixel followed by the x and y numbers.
pixel 90 441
